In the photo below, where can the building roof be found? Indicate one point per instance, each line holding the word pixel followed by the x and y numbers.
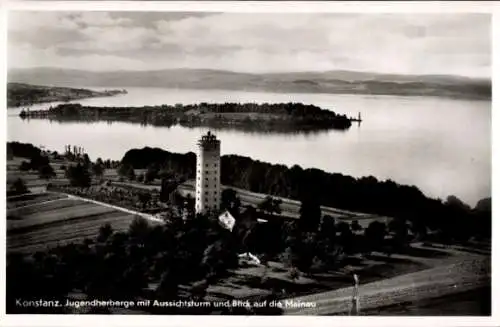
pixel 208 139
pixel 227 220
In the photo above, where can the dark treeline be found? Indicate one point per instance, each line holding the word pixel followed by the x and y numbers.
pixel 145 261
pixel 292 115
pixel 19 94
pixel 22 150
pixel 22 96
pixel 452 218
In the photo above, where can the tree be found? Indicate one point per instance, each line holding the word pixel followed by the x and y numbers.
pixel 418 228
pixel 86 161
pixel 38 161
pixel 310 215
pixel 355 226
pixel 218 257
pixel 327 228
pixel 271 205
pixel 166 174
pixel 294 274
pixel 105 232
pixel 151 173
pixel 98 170
pixel 168 192
pixel 375 235
pixel 139 228
pixel 482 216
pixel 78 176
pixel 346 239
pixel 46 172
pixel 307 251
pixel 25 166
pixel 18 187
pixel 230 201
pixel 10 153
pixel 132 281
pixel 454 201
pixel 169 284
pixel 213 259
pixel 144 198
pixel 250 216
pixel 123 170
pixel 126 170
pixel 399 228
pixel 189 201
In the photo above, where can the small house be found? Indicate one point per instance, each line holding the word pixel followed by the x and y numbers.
pixel 227 220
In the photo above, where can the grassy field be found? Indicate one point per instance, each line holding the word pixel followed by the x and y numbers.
pixel 37 222
pixel 58 215
pixel 254 281
pixel 470 303
pixel 456 273
pixel 42 220
pixel 31 199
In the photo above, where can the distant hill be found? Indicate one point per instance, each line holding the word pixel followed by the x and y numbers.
pixel 345 82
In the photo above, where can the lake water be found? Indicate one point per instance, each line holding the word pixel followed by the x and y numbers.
pixel 442 146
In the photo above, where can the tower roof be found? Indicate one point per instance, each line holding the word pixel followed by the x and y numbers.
pixel 208 139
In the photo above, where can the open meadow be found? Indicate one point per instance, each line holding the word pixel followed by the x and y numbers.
pixel 40 221
pixel 415 281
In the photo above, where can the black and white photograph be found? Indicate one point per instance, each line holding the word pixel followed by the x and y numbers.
pixel 206 162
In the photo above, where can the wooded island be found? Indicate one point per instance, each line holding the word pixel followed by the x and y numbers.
pixel 266 116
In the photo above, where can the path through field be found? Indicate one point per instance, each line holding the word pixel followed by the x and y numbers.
pixel 455 275
pixel 132 212
pixel 41 221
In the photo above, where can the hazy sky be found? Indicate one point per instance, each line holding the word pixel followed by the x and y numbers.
pixel 458 44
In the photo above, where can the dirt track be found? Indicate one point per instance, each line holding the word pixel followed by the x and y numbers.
pixel 454 276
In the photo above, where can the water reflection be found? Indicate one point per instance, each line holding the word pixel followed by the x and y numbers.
pixel 244 128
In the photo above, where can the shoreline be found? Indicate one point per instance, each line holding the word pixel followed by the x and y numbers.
pixel 455 97
pixel 40 94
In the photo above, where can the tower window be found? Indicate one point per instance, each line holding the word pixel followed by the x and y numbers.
pixel 206 193
pixel 206 165
pixel 206 172
pixel 215 165
pixel 206 178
